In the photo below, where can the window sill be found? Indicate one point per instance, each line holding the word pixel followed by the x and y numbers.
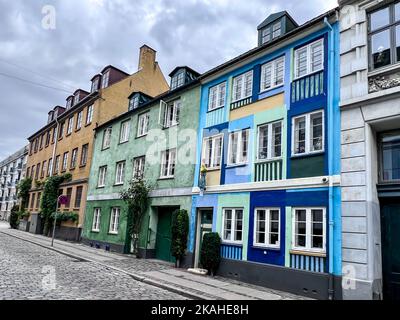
pixel 233 166
pixel 87 124
pixel 68 134
pixel 79 129
pixel 118 184
pixel 172 126
pixel 113 233
pixel 307 155
pixel 265 247
pixel 123 142
pixel 308 75
pixel 82 165
pixel 267 160
pixel 166 178
pixel 218 108
pixel 213 169
pixel 95 231
pixel 231 243
pixel 100 187
pixel 308 253
pixel 272 88
pixel 72 168
pixel 384 70
pixel 144 135
pixel 241 99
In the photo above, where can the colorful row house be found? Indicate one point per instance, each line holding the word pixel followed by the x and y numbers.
pixel 154 140
pixel 269 137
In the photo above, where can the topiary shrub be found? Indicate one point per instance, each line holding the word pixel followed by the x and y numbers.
pixel 210 256
pixel 180 232
pixel 14 217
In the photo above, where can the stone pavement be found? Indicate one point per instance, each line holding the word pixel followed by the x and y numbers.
pixel 156 273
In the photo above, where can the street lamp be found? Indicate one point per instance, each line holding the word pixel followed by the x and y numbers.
pixel 60 201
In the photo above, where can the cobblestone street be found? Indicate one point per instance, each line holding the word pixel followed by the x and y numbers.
pixel 28 271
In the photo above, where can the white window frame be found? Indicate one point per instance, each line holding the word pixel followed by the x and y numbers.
pixel 211 165
pixel 166 161
pixel 96 220
pixel 74 158
pixel 95 85
pixel 139 167
pixel 76 99
pixel 217 96
pixel 239 152
pixel 308 129
pixel 233 230
pixel 171 112
pixel 270 147
pixel 107 134
pixel 101 183
pixel 57 165
pixel 267 243
pixel 65 161
pixel 143 124
pixel 105 80
pixel 242 78
pixel 114 220
pixel 274 74
pixel 308 247
pixel 309 60
pixel 70 125
pixel 275 27
pixel 120 173
pixel 125 131
pixel 79 120
pixel 264 33
pixel 134 102
pixel 178 80
pixel 89 114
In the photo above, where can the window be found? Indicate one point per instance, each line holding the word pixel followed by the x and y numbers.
pixel 212 152
pixel 309 229
pixel 61 130
pixel 238 147
pixel 217 97
pixel 107 138
pixel 69 196
pixel 33 195
pixel 125 130
pixel 43 169
pixel 232 225
pixel 57 165
pixel 48 137
pixel 78 197
pixel 242 86
pixel 114 221
pixel 273 74
pixel 308 133
pixel 266 35
pixel 171 114
pixel 65 162
pixel 74 157
pixel 53 138
pixel 138 167
pixel 384 36
pixel 276 30
pixel 143 124
pixel 267 227
pixel 76 99
pixel 120 173
pixel 134 102
pixel 309 59
pixel 41 142
pixel 37 171
pixel 96 220
pixel 106 78
pixel 84 155
pixel 50 167
pixel 178 80
pixel 102 177
pixel 89 115
pixel 269 141
pixel 79 120
pixel 38 201
pixel 168 164
pixel 95 85
pixel 69 103
pixel 390 156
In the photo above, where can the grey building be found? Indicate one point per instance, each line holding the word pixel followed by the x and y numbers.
pixel 370 116
pixel 12 170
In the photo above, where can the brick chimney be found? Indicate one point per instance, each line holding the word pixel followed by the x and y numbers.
pixel 147 58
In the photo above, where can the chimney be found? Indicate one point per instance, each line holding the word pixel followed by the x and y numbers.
pixel 147 58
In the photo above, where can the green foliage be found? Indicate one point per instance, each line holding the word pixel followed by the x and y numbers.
pixel 137 199
pixel 14 217
pixel 23 191
pixel 210 256
pixel 65 216
pixel 49 198
pixel 180 232
pixel 23 214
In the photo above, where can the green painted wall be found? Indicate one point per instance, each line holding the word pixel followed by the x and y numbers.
pixel 307 167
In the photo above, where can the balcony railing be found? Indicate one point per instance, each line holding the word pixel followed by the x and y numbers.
pixel 308 263
pixel 231 252
pixel 308 87
pixel 268 171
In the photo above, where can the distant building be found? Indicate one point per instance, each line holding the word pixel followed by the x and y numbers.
pixel 12 171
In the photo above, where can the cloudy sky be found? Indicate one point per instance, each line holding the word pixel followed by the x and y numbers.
pixel 91 34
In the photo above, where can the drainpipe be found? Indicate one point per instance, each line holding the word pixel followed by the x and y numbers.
pixel 330 155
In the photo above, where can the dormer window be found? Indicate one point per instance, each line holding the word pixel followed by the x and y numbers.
pixel 134 102
pixel 178 80
pixel 69 103
pixel 266 35
pixel 51 117
pixel 106 78
pixel 95 85
pixel 276 30
pixel 76 99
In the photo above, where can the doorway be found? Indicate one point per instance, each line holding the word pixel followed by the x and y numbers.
pixel 204 226
pixel 164 235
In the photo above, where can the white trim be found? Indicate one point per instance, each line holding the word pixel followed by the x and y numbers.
pixel 233 226
pixel 242 89
pixel 239 152
pixel 143 125
pixel 114 220
pixel 101 182
pixel 119 180
pixel 270 137
pixel 124 134
pixel 266 244
pixel 309 63
pixel 96 220
pixel 218 96
pixel 213 139
pixel 166 161
pixel 273 63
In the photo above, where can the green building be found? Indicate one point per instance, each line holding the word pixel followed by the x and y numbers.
pixel 155 140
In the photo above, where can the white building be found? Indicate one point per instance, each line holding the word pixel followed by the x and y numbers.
pixel 370 105
pixel 12 170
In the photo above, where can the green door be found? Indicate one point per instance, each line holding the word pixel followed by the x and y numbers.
pixel 204 226
pixel 163 242
pixel 390 213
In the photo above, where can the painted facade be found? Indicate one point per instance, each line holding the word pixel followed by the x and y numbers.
pixel 65 144
pixel 12 171
pixel 370 116
pixel 168 191
pixel 274 181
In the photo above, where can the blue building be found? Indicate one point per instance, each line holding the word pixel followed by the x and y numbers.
pixel 269 137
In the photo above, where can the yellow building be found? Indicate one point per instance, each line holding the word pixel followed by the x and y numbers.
pixel 64 145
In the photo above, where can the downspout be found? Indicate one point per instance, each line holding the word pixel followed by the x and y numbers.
pixel 330 155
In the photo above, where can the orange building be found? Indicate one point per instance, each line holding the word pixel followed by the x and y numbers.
pixel 64 145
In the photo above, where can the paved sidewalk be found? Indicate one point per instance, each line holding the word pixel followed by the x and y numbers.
pixel 158 273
